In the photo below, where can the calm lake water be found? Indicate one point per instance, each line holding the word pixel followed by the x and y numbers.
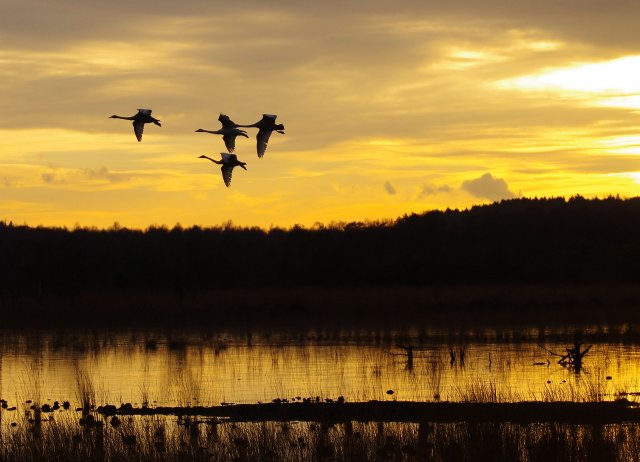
pixel 168 368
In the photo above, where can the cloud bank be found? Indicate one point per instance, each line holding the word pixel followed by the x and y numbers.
pixel 488 187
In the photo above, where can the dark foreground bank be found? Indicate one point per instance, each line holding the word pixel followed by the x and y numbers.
pixel 588 413
pixel 349 432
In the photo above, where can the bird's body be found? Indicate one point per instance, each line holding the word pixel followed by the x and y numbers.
pixel 226 121
pixel 229 132
pixel 265 127
pixel 227 162
pixel 229 135
pixel 142 117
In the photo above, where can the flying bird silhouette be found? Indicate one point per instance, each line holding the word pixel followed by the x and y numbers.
pixel 227 162
pixel 265 126
pixel 229 132
pixel 142 117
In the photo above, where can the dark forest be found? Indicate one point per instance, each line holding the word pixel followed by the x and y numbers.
pixel 540 241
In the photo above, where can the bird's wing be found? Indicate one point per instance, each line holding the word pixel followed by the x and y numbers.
pixel 229 158
pixel 138 128
pixel 263 140
pixel 226 174
pixel 229 142
pixel 226 121
pixel 145 111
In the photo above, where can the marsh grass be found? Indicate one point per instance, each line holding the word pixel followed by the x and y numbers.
pixel 85 391
pixel 586 389
pixel 479 392
pixel 169 439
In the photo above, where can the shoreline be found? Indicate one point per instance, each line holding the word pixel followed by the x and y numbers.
pixel 403 411
pixel 319 307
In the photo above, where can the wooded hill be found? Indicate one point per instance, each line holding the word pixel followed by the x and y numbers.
pixel 513 241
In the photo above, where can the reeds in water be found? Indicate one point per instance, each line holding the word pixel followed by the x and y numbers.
pixel 62 438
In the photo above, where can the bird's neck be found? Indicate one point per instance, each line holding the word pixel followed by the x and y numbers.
pixel 219 162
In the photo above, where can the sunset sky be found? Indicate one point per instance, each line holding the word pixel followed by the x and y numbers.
pixel 389 107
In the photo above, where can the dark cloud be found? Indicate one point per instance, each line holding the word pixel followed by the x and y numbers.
pixel 389 188
pixel 488 187
pixel 66 21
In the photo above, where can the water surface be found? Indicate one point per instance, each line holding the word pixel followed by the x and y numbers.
pixel 171 368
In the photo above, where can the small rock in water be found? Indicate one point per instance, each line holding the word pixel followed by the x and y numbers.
pixel 608 377
pixel 389 392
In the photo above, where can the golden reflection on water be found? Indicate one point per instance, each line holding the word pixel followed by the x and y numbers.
pixel 207 369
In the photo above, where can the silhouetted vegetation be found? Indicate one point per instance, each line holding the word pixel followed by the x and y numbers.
pixel 530 241
pixel 93 438
pixel 400 411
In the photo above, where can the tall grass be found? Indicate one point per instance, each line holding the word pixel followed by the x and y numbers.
pixel 169 439
pixel 85 391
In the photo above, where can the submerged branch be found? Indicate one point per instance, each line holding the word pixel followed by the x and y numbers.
pixel 548 350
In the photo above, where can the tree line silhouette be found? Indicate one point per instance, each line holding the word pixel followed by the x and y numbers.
pixel 520 240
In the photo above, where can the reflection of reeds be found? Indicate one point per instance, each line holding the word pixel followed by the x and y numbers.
pixel 144 395
pixel 188 390
pixel 324 364
pixel 434 379
pixel 85 392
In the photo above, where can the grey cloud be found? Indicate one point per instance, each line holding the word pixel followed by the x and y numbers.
pixel 428 190
pixel 297 59
pixel 103 173
pixel 50 178
pixel 389 188
pixel 488 187
pixel 30 21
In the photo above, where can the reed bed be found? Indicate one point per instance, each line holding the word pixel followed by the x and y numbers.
pixel 62 436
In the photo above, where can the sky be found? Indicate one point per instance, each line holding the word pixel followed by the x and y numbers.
pixel 389 108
